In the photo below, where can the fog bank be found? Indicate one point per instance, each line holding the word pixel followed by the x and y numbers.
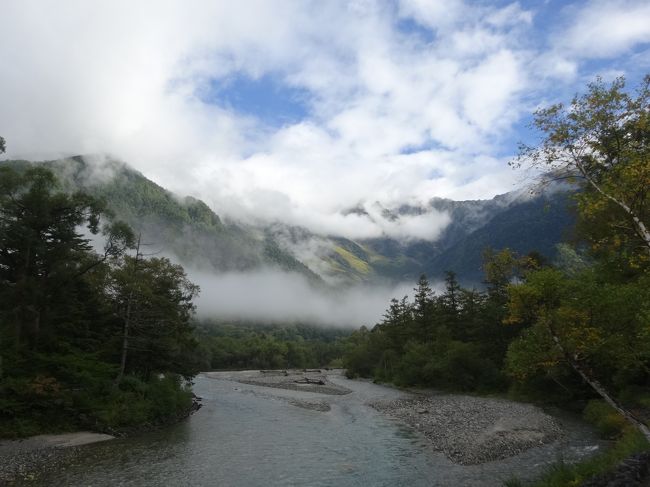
pixel 273 296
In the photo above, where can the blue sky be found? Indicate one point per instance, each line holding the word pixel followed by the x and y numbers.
pixel 299 110
pixel 266 98
pixel 275 103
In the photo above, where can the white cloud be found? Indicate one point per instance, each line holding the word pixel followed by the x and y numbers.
pixel 435 14
pixel 510 15
pixel 607 28
pixel 395 114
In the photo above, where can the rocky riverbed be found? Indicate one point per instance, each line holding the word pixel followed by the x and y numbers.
pixel 280 433
pixel 474 430
pixel 23 460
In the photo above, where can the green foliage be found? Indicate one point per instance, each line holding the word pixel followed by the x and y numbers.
pixel 601 141
pixel 61 316
pixel 153 297
pixel 136 402
pixel 590 317
pixel 564 475
pixel 247 346
pixel 453 341
pixel 610 423
pixel 602 325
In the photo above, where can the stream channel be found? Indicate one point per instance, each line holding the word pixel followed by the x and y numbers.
pixel 247 435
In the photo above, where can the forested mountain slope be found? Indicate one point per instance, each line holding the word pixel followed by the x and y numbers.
pixel 189 230
pixel 535 225
pixel 184 227
pixel 520 221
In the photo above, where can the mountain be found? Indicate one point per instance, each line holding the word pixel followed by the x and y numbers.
pixel 187 229
pixel 523 221
pixel 537 224
pixel 183 227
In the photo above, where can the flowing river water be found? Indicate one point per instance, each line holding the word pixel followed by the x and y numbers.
pixel 246 435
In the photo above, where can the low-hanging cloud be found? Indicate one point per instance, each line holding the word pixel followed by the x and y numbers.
pixel 276 297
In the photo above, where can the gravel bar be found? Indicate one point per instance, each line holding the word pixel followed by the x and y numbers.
pixel 286 379
pixel 473 430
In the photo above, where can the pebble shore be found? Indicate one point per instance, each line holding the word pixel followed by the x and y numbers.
pixel 473 430
pixel 23 460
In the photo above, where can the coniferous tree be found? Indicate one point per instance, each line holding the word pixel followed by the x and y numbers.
pixel 58 316
pixel 422 309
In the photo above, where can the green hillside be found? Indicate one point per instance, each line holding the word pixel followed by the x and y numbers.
pixel 536 225
pixel 184 227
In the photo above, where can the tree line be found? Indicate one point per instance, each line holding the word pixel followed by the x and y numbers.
pixel 263 346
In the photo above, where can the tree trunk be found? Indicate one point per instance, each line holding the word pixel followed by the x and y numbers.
pixel 640 227
pixel 127 320
pixel 598 387
pixel 125 341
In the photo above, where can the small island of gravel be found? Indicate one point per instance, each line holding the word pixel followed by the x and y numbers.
pixel 305 380
pixel 472 430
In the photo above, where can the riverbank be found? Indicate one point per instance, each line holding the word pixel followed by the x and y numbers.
pixel 252 435
pixel 305 380
pixel 474 430
pixel 28 458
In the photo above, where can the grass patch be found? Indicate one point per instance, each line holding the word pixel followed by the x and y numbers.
pixel 352 260
pixel 565 475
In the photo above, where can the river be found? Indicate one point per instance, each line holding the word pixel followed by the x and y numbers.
pixel 246 435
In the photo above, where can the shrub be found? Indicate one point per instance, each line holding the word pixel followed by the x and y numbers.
pixel 610 423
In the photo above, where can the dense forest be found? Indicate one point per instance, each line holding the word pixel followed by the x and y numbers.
pixel 235 345
pixel 92 339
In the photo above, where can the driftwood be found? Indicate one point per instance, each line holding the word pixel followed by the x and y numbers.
pixel 277 372
pixel 316 371
pixel 306 380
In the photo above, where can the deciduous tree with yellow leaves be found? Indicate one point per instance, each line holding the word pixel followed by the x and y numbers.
pixel 596 320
